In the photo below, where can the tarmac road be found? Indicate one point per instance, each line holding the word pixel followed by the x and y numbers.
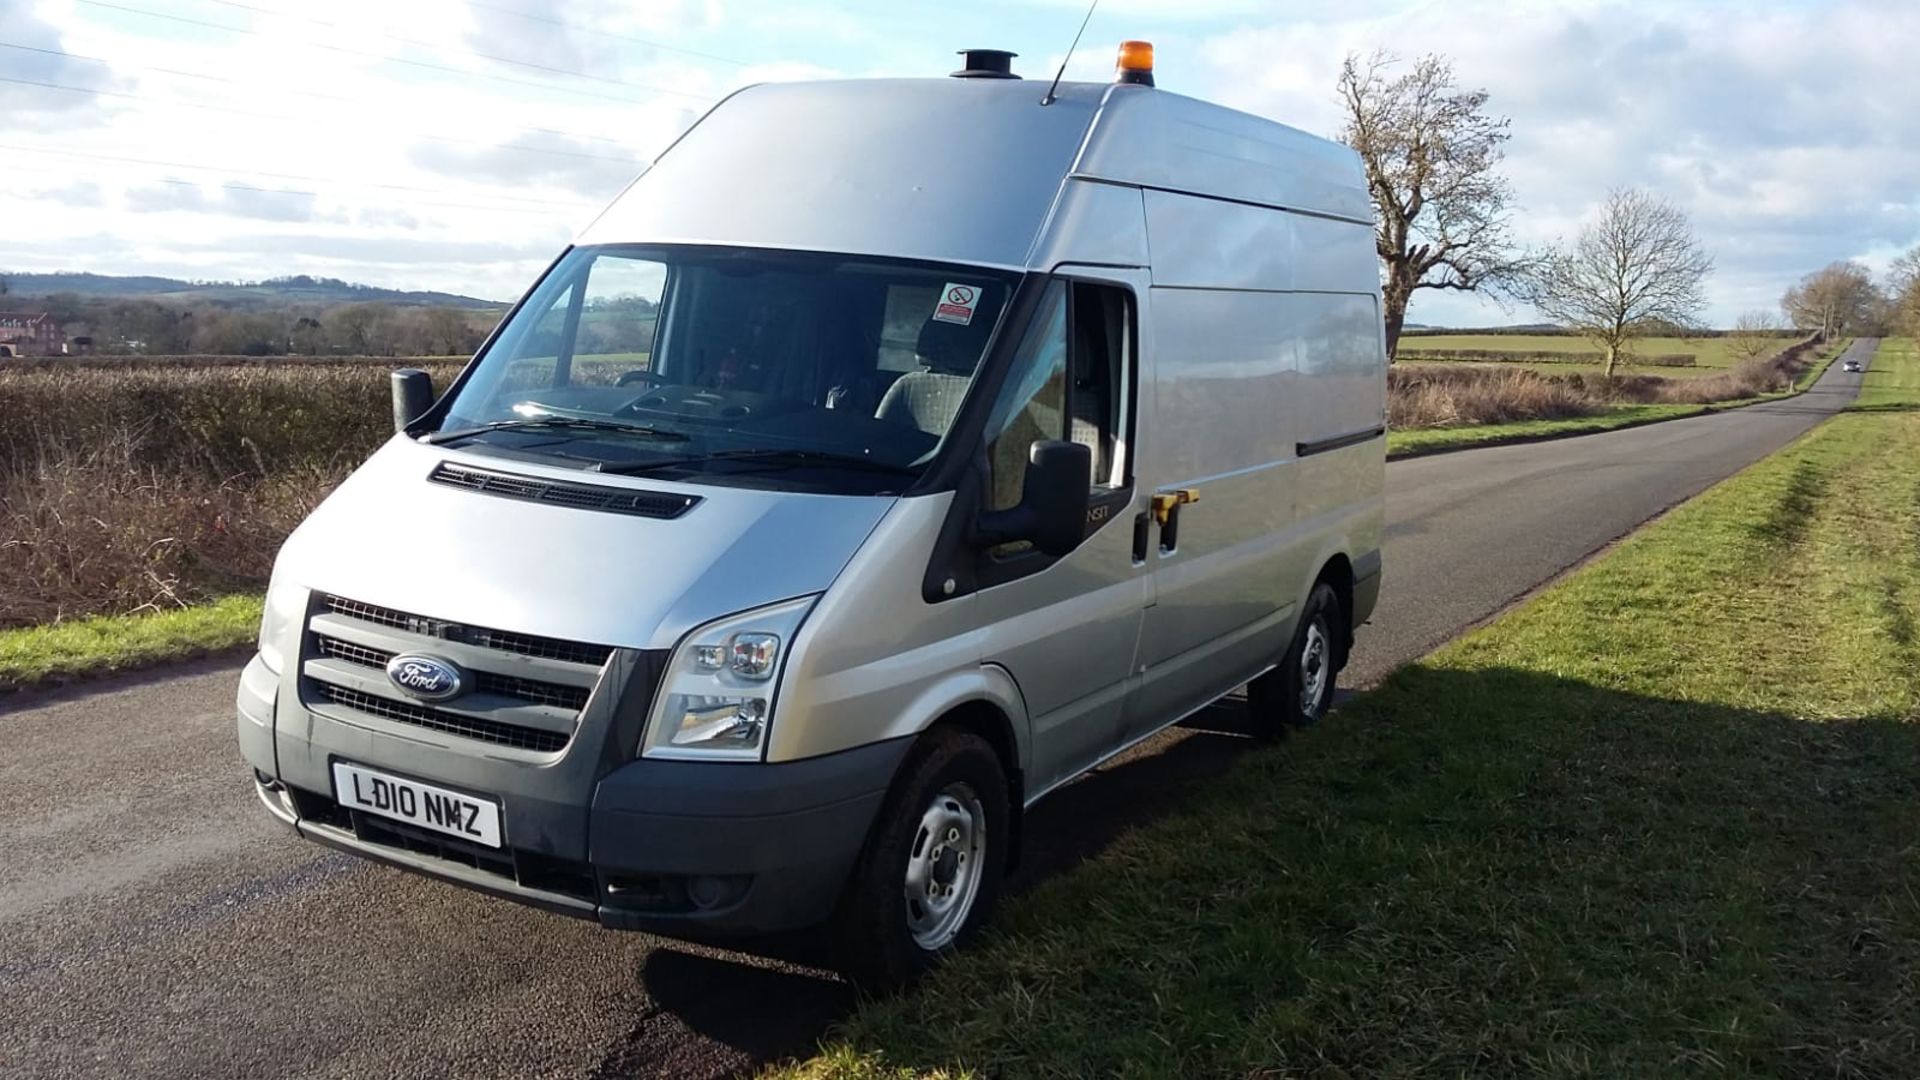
pixel 154 920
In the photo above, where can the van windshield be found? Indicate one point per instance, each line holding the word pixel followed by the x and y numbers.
pixel 778 369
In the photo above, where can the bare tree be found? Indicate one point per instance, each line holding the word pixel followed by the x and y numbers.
pixel 1836 296
pixel 1903 293
pixel 1432 155
pixel 1755 334
pixel 1637 264
pixel 361 328
pixel 446 331
pixel 1903 275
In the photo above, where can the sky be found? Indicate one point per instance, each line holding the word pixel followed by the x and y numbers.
pixel 459 144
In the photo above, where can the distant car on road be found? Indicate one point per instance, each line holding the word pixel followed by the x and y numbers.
pixel 1851 365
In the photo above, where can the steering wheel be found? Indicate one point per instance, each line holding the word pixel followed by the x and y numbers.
pixel 628 378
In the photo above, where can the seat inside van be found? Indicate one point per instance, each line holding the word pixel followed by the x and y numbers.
pixel 930 397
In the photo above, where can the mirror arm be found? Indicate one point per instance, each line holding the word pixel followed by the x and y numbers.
pixel 1004 526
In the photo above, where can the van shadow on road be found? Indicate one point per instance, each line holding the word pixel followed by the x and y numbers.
pixel 719 1011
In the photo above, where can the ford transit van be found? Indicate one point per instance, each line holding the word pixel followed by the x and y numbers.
pixel 890 453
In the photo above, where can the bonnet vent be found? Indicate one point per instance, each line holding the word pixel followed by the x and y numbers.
pixel 613 500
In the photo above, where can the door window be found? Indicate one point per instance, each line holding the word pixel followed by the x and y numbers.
pixel 1071 380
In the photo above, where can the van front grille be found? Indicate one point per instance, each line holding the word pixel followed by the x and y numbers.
pixel 543 648
pixel 484 682
pixel 520 690
pixel 471 727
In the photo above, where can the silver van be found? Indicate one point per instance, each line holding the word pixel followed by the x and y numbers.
pixel 887 455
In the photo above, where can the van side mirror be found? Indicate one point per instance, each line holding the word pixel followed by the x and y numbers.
pixel 1053 501
pixel 412 397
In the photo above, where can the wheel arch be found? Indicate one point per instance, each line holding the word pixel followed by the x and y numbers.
pixel 1337 571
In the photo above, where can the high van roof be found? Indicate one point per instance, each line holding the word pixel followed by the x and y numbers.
pixel 957 170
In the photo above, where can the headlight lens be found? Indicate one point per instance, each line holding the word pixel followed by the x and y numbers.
pixel 717 697
pixel 280 622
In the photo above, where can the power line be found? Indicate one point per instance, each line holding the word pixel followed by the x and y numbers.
pixel 417 43
pixel 283 116
pixel 365 55
pixel 514 204
pixel 531 17
pixel 291 91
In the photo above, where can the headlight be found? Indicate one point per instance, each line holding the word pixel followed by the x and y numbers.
pixel 279 623
pixel 716 699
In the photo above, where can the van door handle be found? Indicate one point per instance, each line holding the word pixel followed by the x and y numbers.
pixel 1166 510
pixel 1166 502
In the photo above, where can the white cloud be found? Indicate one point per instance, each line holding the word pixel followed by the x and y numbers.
pixel 1788 131
pixel 1788 135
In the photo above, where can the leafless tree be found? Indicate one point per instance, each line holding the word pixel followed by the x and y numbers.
pixel 1432 155
pixel 1903 293
pixel 360 327
pixel 445 329
pixel 1904 274
pixel 1637 264
pixel 1755 334
pixel 1833 298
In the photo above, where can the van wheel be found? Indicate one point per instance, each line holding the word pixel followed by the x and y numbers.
pixel 1298 692
pixel 930 874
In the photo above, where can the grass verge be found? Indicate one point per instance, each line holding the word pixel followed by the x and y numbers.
pixel 86 647
pixel 1413 442
pixel 1892 380
pixel 1657 820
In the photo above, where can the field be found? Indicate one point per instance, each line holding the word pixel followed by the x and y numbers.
pixel 1711 354
pixel 1657 821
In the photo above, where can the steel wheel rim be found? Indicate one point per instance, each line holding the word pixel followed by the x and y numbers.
pixel 1316 669
pixel 945 865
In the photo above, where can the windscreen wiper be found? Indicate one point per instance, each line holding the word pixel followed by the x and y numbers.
pixel 577 423
pixel 776 456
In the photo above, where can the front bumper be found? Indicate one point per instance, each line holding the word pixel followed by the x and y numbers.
pixel 681 848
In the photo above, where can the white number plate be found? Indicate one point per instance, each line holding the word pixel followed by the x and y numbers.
pixel 429 807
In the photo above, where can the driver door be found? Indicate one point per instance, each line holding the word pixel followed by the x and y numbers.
pixel 1067 629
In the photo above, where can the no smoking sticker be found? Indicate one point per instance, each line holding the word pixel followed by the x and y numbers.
pixel 957 304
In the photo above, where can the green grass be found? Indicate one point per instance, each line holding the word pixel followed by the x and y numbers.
pixel 1892 380
pixel 1416 441
pixel 88 647
pixel 1658 821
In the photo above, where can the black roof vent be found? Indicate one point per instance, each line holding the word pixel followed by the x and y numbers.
pixel 987 64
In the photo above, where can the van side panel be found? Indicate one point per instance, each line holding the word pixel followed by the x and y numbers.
pixel 1265 343
pixel 1341 395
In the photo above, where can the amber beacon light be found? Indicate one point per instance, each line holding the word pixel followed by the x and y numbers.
pixel 1136 63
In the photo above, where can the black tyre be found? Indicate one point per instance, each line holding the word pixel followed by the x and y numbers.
pixel 930 874
pixel 1298 692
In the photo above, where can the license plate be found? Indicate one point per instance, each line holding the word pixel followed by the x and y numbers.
pixel 429 807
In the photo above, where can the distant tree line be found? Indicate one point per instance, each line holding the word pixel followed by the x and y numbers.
pixel 370 328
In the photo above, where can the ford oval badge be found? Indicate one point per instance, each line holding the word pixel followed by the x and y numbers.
pixel 428 678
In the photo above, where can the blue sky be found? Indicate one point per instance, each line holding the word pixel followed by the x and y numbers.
pixel 457 144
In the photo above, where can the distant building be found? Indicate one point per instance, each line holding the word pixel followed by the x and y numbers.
pixel 25 333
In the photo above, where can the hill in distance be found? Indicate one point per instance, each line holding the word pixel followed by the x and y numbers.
pixel 299 289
